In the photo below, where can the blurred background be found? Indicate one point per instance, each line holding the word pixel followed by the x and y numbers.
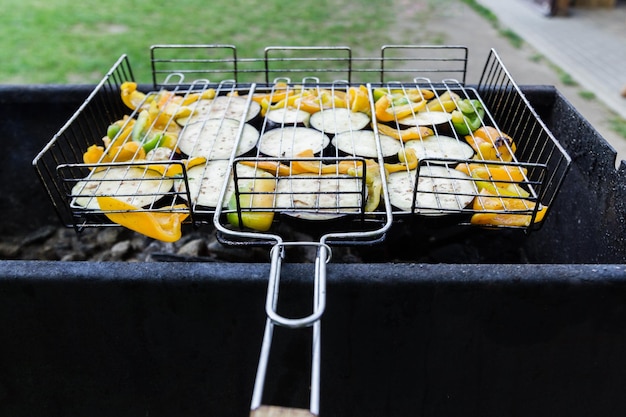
pixel 68 42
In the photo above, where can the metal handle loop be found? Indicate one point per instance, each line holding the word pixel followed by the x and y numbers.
pixel 324 255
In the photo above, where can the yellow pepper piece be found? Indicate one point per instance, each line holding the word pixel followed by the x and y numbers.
pixel 381 106
pixel 373 180
pixel 273 167
pixel 311 166
pixel 414 132
pixel 359 99
pixel 257 193
pixel 127 152
pixel 93 155
pixel 490 144
pixel 508 206
pixel 130 96
pixel 408 161
pixel 163 225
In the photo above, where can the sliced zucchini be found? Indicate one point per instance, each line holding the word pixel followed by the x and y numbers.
pixel 216 138
pixel 222 107
pixel 290 141
pixel 440 190
pixel 426 118
pixel 322 197
pixel 206 182
pixel 440 147
pixel 332 121
pixel 138 187
pixel 363 143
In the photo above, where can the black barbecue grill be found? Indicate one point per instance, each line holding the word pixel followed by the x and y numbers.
pixel 494 336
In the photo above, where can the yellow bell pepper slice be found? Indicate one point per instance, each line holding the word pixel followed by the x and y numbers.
pixel 373 180
pixel 487 201
pixel 273 167
pixel 408 161
pixel 130 96
pixel 491 144
pixel 414 132
pixel 160 225
pixel 256 193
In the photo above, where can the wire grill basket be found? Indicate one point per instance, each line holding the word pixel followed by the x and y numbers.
pixel 212 80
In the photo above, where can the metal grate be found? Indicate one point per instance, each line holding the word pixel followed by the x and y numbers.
pixel 193 76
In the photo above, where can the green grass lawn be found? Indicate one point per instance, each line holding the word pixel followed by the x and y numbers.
pixel 68 41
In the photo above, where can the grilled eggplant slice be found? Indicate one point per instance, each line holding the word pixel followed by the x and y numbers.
pixel 139 187
pixel 206 182
pixel 288 117
pixel 441 190
pixel 363 143
pixel 216 138
pixel 290 141
pixel 322 197
pixel 426 118
pixel 333 121
pixel 440 147
pixel 222 107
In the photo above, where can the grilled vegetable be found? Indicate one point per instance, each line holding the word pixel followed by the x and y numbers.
pixel 386 111
pixel 332 121
pixel 221 107
pixel 406 134
pixel 426 118
pixel 138 187
pixel 254 194
pixel 440 190
pixel 490 144
pixel 440 147
pixel 500 211
pixel 363 143
pixel 468 117
pixel 216 138
pixel 288 116
pixel 290 141
pixel 164 226
pixel 318 197
pixel 206 182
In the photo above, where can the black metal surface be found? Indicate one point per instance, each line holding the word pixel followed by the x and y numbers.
pixel 31 114
pixel 431 340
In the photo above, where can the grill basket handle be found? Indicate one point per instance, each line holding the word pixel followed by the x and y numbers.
pixel 274 319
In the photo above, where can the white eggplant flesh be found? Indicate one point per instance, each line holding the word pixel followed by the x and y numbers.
pixel 206 182
pixel 440 147
pixel 216 138
pixel 363 143
pixel 333 121
pixel 426 118
pixel 290 141
pixel 288 117
pixel 323 197
pixel 222 107
pixel 139 187
pixel 441 190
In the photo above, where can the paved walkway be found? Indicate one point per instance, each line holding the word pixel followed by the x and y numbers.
pixel 589 44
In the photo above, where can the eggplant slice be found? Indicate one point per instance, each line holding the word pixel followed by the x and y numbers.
pixel 333 121
pixel 440 147
pixel 324 197
pixel 363 143
pixel 288 117
pixel 206 182
pixel 441 190
pixel 216 138
pixel 222 107
pixel 290 141
pixel 139 187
